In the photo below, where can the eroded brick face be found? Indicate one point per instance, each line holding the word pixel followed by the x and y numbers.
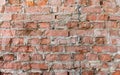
pixel 59 37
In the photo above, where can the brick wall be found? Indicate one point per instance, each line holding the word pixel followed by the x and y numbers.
pixel 59 37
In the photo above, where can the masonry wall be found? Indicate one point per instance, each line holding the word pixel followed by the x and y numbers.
pixel 59 37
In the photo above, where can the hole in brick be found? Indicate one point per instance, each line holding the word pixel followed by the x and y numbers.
pixel 101 2
pixel 55 16
pixel 1 59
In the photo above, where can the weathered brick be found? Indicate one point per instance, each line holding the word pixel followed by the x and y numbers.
pixel 105 57
pixel 51 57
pixel 45 41
pixel 14 1
pixel 12 65
pixel 30 2
pixel 41 10
pixel 8 57
pixel 42 2
pixel 88 73
pixel 61 73
pixel 65 57
pixel 12 9
pixel 6 17
pixel 92 56
pixel 100 40
pixel 78 57
pixel 36 57
pixel 41 66
pixel 45 25
pixel 23 57
pixel 56 33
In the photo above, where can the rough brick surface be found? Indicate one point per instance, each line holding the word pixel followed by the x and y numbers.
pixel 59 37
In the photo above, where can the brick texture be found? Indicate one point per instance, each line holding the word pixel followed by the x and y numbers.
pixel 59 37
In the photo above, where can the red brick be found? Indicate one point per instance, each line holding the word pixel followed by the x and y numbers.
pixel 116 72
pixel 69 2
pixel 25 67
pixel 91 17
pixel 1 9
pixel 87 40
pixel 72 24
pixel 83 2
pixel 105 65
pixel 57 48
pixel 94 2
pixel 78 57
pixel 97 48
pixel 23 57
pixel 43 18
pixel 42 2
pixel 44 48
pixel 100 40
pixel 80 49
pixel 17 41
pixel 14 1
pixel 41 10
pixel 111 24
pixel 94 17
pixel 47 73
pixel 102 17
pixel 65 57
pixel 91 9
pixel 102 73
pixel 85 25
pixel 82 32
pixel 23 49
pixel 17 24
pixel 114 18
pixel 51 57
pixel 12 65
pixel 55 2
pixel 5 25
pixel 58 66
pixel 17 17
pixel 28 32
pixel 117 56
pixel 56 33
pixel 12 9
pixel 110 7
pixel 34 41
pixel 35 33
pixel 30 2
pixel 30 25
pixel 61 73
pixel 87 73
pixel 98 25
pixel 3 73
pixel 35 73
pixel 92 56
pixel 100 33
pixel 6 33
pixel 105 57
pixel 8 57
pixel 36 57
pixel 45 25
pixel 6 17
pixel 44 41
pixel 6 41
pixel 114 33
pixel 41 66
